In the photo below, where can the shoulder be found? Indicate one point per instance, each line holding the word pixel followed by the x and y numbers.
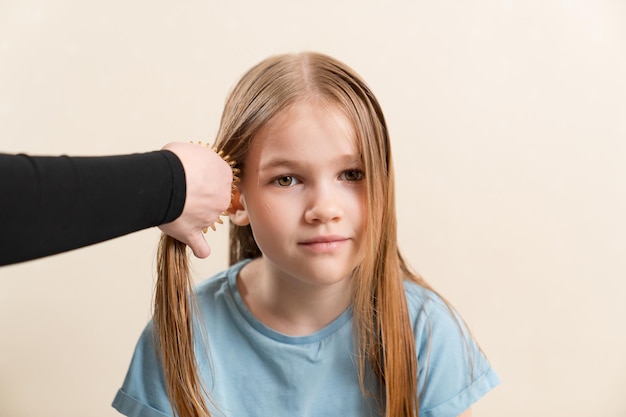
pixel 212 284
pixel 436 324
pixel 427 307
pixel 418 295
pixel 219 283
pixel 452 370
pixel 217 297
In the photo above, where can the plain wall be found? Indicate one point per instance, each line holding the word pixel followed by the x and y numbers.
pixel 508 121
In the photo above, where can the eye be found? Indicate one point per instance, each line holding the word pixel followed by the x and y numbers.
pixel 352 175
pixel 285 181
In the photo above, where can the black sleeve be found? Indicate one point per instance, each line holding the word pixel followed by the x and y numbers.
pixel 54 204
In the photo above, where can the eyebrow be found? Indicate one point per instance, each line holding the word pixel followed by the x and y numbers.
pixel 281 162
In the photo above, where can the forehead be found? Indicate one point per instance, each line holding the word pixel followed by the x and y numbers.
pixel 309 130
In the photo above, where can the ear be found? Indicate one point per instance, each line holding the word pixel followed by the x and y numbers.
pixel 237 210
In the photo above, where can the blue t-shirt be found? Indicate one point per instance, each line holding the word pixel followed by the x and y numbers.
pixel 251 370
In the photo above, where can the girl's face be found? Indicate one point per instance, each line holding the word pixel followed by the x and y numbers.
pixel 303 194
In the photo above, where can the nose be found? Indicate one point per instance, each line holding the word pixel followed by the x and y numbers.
pixel 324 205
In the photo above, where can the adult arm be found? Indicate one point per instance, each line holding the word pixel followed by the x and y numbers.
pixel 54 204
pixel 50 205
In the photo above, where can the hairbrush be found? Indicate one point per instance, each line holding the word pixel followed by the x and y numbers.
pixel 232 163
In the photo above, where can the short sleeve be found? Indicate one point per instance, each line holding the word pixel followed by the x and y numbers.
pixel 143 393
pixel 453 373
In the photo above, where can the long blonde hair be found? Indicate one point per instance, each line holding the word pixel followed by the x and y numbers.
pixel 383 334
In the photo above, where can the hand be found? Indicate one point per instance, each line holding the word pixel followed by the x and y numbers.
pixel 209 181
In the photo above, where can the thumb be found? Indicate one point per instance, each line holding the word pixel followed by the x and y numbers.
pixel 199 246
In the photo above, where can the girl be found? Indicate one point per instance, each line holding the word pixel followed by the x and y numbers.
pixel 319 314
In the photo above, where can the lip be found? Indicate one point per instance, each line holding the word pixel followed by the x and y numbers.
pixel 323 239
pixel 324 244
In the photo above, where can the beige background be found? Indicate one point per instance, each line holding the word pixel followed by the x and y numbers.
pixel 508 120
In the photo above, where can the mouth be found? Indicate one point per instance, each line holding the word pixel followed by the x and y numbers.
pixel 323 239
pixel 324 244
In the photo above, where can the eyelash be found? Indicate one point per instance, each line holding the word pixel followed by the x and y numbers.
pixel 344 176
pixel 278 180
pixel 358 172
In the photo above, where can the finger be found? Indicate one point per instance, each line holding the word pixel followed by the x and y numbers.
pixel 199 246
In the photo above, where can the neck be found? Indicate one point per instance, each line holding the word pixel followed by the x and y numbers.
pixel 290 306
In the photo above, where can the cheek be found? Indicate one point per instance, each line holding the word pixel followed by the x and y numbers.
pixel 267 216
pixel 269 209
pixel 360 208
